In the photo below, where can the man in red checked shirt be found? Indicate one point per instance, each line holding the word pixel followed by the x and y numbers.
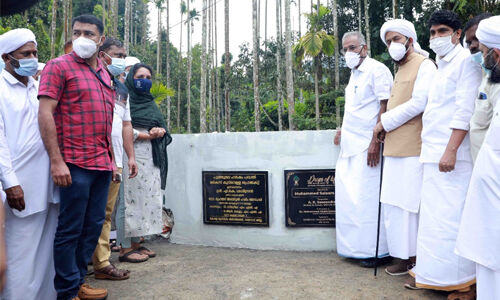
pixel 75 118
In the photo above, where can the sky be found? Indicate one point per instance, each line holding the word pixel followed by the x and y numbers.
pixel 240 22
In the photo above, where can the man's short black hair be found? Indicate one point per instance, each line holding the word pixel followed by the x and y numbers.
pixel 89 19
pixel 476 20
pixel 109 42
pixel 445 17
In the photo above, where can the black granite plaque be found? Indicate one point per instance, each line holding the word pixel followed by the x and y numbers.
pixel 235 198
pixel 310 198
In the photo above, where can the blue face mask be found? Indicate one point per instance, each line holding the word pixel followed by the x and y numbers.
pixel 27 66
pixel 2 65
pixel 143 85
pixel 478 58
pixel 117 65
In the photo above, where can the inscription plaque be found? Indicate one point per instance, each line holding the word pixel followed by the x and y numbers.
pixel 310 198
pixel 235 198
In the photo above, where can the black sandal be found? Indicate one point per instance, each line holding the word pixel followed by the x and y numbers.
pixel 142 248
pixel 125 257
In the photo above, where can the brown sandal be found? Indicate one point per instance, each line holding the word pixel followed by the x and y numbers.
pixel 142 248
pixel 125 257
pixel 111 273
pixel 466 294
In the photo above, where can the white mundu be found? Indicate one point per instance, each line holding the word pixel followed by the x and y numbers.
pixel 479 233
pixel 450 106
pixel 29 234
pixel 357 184
pixel 402 182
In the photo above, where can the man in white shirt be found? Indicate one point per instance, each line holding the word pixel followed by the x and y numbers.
pixel 112 54
pixel 31 211
pixel 483 109
pixel 447 160
pixel 402 180
pixel 357 179
pixel 479 233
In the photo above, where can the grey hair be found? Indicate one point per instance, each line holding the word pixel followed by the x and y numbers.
pixel 359 35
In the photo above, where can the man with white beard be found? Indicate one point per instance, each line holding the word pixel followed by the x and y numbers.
pixel 479 234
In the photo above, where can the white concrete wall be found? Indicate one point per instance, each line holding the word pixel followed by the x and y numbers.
pixel 274 152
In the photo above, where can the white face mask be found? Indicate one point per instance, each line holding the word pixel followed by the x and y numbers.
pixel 397 50
pixel 442 45
pixel 352 59
pixel 84 47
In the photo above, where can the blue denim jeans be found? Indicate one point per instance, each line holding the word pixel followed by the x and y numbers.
pixel 81 215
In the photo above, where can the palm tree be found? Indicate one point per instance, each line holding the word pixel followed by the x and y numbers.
pixel 168 62
pixel 126 25
pixel 278 65
pixel 192 16
pixel 104 13
pixel 53 28
pixel 300 26
pixel 217 75
pixel 159 6
pixel 203 83
pixel 314 43
pixel 367 28
pixel 256 65
pixel 288 61
pixel 227 66
pixel 337 75
pixel 359 15
pixel 183 11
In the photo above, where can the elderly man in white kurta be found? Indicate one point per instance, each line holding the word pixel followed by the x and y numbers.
pixel 479 234
pixel 447 160
pixel 357 179
pixel 402 181
pixel 30 210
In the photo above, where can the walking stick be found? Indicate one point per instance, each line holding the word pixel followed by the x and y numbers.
pixel 379 206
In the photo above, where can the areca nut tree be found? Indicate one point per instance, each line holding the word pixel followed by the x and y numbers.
pixel 315 43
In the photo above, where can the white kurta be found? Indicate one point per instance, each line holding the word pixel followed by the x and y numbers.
pixel 479 234
pixel 24 161
pixel 357 184
pixel 450 105
pixel 402 181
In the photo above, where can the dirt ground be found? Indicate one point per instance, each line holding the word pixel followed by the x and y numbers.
pixel 195 272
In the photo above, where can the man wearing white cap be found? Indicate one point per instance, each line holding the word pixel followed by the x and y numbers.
pixel 358 168
pixel 447 163
pixel 479 234
pixel 31 210
pixel 402 124
pixel 129 62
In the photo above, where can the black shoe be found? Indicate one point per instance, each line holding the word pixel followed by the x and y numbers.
pixel 373 262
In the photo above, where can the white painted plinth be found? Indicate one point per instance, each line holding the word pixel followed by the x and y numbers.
pixel 190 154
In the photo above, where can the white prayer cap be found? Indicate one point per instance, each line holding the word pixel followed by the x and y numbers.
pixel 41 66
pixel 131 60
pixel 15 39
pixel 404 27
pixel 488 32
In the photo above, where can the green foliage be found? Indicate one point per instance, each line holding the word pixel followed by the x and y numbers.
pixel 160 92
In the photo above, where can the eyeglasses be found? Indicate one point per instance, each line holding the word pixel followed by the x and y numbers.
pixel 351 48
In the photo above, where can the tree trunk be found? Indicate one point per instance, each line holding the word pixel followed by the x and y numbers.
pixel 179 78
pixel 288 61
pixel 65 20
pixel 104 13
pixel 227 67
pixel 115 19
pixel 126 26
pixel 209 68
pixel 53 27
pixel 359 17
pixel 395 11
pixel 265 24
pixel 256 65
pixel 167 50
pixel 300 25
pixel 336 54
pixel 316 91
pixel 217 75
pixel 203 81
pixel 189 70
pixel 158 44
pixel 278 66
pixel 367 28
